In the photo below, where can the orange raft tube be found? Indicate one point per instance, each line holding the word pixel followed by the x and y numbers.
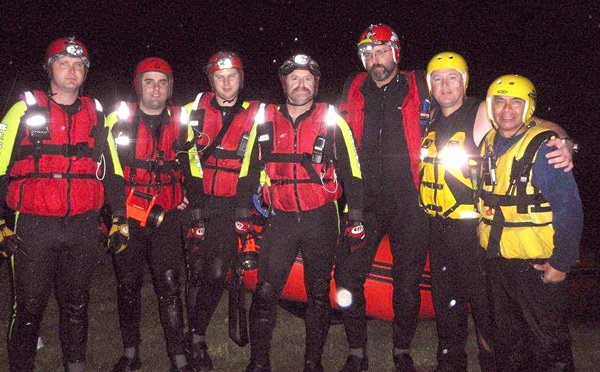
pixel 378 287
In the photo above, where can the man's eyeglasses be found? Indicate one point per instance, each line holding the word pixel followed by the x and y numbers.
pixel 378 54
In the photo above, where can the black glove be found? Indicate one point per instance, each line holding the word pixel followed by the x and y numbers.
pixel 8 240
pixel 354 236
pixel 118 235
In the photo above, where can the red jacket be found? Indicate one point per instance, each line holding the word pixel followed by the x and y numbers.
pixel 151 167
pixel 291 187
pixel 221 165
pixel 351 108
pixel 58 176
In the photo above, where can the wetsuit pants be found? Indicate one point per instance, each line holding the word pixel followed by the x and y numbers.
pixel 407 228
pixel 314 234
pixel 56 253
pixel 207 267
pixel 161 249
pixel 459 280
pixel 531 318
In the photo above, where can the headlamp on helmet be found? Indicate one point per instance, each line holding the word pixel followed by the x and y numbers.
pixel 67 46
pixel 513 86
pixel 222 60
pixel 448 60
pixel 300 62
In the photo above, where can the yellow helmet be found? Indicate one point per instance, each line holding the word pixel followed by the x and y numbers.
pixel 448 60
pixel 513 86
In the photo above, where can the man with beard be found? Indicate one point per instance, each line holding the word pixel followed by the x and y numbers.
pixel 58 165
pixel 306 152
pixel 383 108
pixel 148 135
pixel 223 122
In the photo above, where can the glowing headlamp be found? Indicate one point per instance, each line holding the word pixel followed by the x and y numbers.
pixel 225 62
pixel 74 50
pixel 301 59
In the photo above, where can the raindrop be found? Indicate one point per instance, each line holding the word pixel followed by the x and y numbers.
pixel 452 304
pixel 261 29
pixel 444 268
pixel 445 351
pixel 274 61
pixel 295 40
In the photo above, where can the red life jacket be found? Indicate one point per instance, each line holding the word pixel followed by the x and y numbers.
pixel 150 165
pixel 352 105
pixel 221 162
pixel 295 183
pixel 53 171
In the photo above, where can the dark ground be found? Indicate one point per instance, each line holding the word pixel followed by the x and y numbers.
pixel 104 346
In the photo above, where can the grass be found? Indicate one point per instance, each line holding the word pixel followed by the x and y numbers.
pixel 104 345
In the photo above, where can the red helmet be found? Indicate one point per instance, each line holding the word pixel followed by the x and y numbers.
pixel 379 34
pixel 152 64
pixel 222 60
pixel 67 46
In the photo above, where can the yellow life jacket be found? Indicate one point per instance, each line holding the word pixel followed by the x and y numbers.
pixel 516 219
pixel 446 189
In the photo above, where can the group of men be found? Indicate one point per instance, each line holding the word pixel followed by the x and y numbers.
pixel 185 176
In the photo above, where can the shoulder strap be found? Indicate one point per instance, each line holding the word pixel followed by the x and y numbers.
pixel 521 171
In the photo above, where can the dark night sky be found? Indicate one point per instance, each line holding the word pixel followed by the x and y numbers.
pixel 556 46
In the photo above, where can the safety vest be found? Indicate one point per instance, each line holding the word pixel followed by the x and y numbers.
pixel 54 164
pixel 298 162
pixel 221 148
pixel 516 219
pixel 446 189
pixel 352 105
pixel 150 165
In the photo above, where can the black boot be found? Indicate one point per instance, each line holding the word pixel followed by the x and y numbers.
pixel 255 367
pixel 127 364
pixel 200 358
pixel 403 363
pixel 355 364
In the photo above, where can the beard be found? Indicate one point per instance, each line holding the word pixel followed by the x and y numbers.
pixel 295 99
pixel 379 72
